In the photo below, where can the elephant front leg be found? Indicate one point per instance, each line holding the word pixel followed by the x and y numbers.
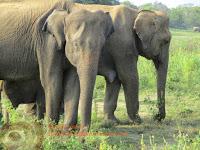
pixel 128 74
pixel 110 101
pixel 53 94
pixel 71 99
pixel 50 61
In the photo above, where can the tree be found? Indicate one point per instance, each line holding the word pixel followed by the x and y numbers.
pixel 155 6
pixel 184 17
pixel 129 4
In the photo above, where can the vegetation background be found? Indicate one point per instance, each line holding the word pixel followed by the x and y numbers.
pixel 181 128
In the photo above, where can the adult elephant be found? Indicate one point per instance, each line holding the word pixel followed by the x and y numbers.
pixel 144 33
pixel 28 53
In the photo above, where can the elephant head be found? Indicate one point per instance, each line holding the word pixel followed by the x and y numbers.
pixel 81 35
pixel 55 24
pixel 152 41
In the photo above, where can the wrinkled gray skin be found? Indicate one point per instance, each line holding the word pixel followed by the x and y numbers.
pixel 28 53
pixel 144 33
pixel 196 29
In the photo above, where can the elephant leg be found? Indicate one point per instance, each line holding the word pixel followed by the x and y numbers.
pixel 110 101
pixel 40 104
pixel 6 119
pixel 51 74
pixel 53 94
pixel 1 112
pixel 5 113
pixel 71 99
pixel 128 75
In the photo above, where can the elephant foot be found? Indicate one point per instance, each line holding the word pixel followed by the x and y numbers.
pixel 159 117
pixel 136 120
pixel 110 122
pixel 83 133
pixel 70 128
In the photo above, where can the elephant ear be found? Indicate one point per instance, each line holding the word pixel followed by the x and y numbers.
pixel 55 27
pixel 145 28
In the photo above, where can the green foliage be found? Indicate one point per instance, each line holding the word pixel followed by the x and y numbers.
pixel 15 115
pixel 154 6
pixel 129 4
pixel 184 17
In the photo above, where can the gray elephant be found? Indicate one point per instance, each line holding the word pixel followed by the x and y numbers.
pixel 27 52
pixel 136 33
pixel 196 29
pixel 31 91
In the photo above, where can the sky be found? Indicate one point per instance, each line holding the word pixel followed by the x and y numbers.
pixel 169 3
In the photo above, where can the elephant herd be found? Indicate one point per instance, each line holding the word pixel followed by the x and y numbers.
pixel 51 52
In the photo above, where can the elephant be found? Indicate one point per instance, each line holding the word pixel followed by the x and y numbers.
pixel 136 33
pixel 196 29
pixel 28 52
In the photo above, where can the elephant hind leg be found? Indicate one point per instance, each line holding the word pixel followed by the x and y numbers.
pixel 110 101
pixel 40 104
pixel 4 111
pixel 129 78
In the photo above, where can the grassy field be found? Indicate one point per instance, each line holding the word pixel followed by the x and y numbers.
pixel 180 129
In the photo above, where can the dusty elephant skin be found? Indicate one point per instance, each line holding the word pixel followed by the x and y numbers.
pixel 144 33
pixel 26 49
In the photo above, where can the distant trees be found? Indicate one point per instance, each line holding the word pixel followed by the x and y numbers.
pixel 155 6
pixel 183 16
pixel 129 4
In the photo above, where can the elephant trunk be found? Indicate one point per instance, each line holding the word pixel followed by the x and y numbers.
pixel 87 71
pixel 161 65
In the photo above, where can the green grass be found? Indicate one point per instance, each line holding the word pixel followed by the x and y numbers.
pixel 180 130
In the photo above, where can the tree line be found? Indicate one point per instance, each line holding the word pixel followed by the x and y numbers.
pixel 184 16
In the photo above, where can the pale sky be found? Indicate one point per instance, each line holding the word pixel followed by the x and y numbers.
pixel 169 3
